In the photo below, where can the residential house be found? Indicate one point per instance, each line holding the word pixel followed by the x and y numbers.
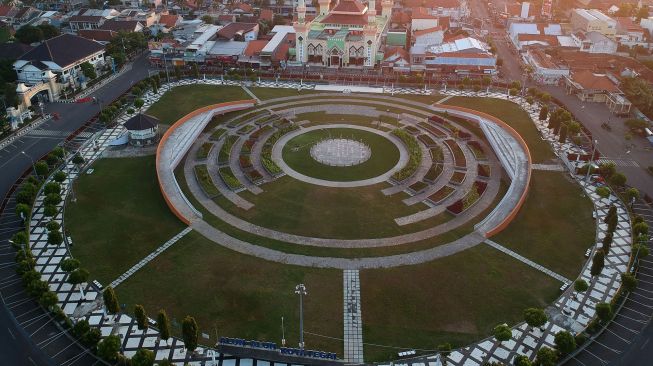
pixel 594 42
pixel 529 34
pixel 102 36
pixel 238 31
pixel 78 22
pixel 629 33
pixel 589 86
pixel 122 25
pixel 546 70
pixel 396 59
pixel 592 20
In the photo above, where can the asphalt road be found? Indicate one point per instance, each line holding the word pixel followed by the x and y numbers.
pixel 27 335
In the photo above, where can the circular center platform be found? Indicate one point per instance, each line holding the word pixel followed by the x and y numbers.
pixel 340 152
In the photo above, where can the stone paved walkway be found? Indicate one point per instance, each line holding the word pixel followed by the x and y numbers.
pixel 527 261
pixel 353 321
pixel 549 167
pixel 149 258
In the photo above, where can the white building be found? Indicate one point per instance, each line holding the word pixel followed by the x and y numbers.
pixel 545 69
pixel 594 42
pixel 592 20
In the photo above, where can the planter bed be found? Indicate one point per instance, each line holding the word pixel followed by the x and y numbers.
pixel 245 117
pixel 217 134
pixel 204 150
pixel 245 161
pixel 229 178
pixel 414 152
pixel 484 170
pixel 458 178
pixel 204 179
pixel 477 150
pixel 426 140
pixel 254 176
pixel 256 134
pixel 412 130
pixel 245 129
pixel 434 173
pixel 432 129
pixel 247 146
pixel 436 153
pixel 266 152
pixel 418 186
pixel 225 151
pixel 470 199
pixel 459 160
pixel 441 194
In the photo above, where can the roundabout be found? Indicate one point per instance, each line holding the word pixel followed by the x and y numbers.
pixel 400 196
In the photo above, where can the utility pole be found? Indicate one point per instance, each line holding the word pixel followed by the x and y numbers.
pixel 589 167
pixel 301 291
pixel 32 160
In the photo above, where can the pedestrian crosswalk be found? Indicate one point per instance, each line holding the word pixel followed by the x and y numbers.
pixel 46 133
pixel 619 162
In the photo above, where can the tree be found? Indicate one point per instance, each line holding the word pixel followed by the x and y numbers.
pixel 632 194
pixel 189 332
pixel 55 237
pixel 81 328
pixel 207 19
pixel 535 317
pixel 48 30
pixel 521 360
pixel 163 324
pixel 618 179
pixel 77 277
pixel 143 357
pixel 50 210
pixel 110 300
pixel 109 347
pixel 603 192
pixel 607 169
pixel 641 250
pixel 513 92
pixel 604 311
pixel 546 357
pixel 606 242
pixel 628 281
pixel 88 70
pixel 612 212
pixel 52 225
pixel 19 239
pixel 52 199
pixel 69 264
pixel 29 34
pixel 41 168
pixel 565 342
pixel 544 113
pixel 598 262
pixel 580 285
pixel 640 228
pixel 48 300
pixel 60 176
pixel 51 188
pixel 78 160
pixel 444 349
pixel 502 332
pixel 91 338
pixel 141 316
pixel 563 134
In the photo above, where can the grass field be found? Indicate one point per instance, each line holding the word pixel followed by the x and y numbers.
pixel 119 217
pixel 513 115
pixel 456 299
pixel 184 99
pixel 239 295
pixel 296 153
pixel 555 225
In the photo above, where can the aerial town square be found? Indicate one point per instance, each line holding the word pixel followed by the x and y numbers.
pixel 326 182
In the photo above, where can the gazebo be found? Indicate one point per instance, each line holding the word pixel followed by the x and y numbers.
pixel 142 129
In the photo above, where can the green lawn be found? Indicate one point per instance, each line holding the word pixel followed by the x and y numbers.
pixel 292 206
pixel 184 99
pixel 554 227
pixel 119 217
pixel 513 115
pixel 273 93
pixel 241 296
pixel 456 299
pixel 296 153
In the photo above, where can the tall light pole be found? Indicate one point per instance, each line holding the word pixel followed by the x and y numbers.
pixel 589 167
pixel 32 160
pixel 301 291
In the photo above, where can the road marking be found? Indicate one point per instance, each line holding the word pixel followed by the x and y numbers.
pixel 645 343
pixel 30 360
pixel 12 334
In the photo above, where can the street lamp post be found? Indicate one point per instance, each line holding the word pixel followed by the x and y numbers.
pixel 301 291
pixel 32 160
pixel 589 167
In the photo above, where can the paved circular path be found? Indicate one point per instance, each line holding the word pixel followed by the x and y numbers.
pixel 277 157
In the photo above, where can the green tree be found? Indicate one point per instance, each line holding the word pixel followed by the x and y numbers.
pixel 190 333
pixel 52 225
pixel 598 262
pixel 50 210
pixel 52 199
pixel 607 169
pixel 51 188
pixel 60 177
pixel 110 300
pixel 55 237
pixel 535 317
pixel 78 160
pixel 502 332
pixel 143 357
pixel 81 328
pixel 544 113
pixel 640 228
pixel 88 70
pixel 77 277
pixel 628 281
pixel 19 239
pixel 29 34
pixel 141 316
pixel 606 242
pixel 641 250
pixel 565 342
pixel 546 357
pixel 163 324
pixel 444 349
pixel 632 194
pixel 42 168
pixel 513 92
pixel 139 103
pixel 48 300
pixel 521 360
pixel 48 30
pixel 109 347
pixel 618 179
pixel 603 192
pixel 69 264
pixel 604 311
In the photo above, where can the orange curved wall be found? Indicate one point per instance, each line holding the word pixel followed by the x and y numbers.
pixel 519 139
pixel 172 128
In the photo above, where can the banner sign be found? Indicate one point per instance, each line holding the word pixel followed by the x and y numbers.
pixel 271 346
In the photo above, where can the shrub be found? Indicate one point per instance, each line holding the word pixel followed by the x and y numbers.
pixel 138 103
pixel 603 192
pixel 19 239
pixel 50 210
pixel 415 155
pixel 55 237
pixel 565 342
pixel 604 311
pixel 60 177
pixel 52 199
pixel 53 226
pixel 52 187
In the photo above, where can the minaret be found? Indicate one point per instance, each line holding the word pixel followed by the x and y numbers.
pixel 324 6
pixel 301 31
pixel 386 8
pixel 371 11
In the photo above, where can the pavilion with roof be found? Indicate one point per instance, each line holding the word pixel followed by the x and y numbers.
pixel 349 34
